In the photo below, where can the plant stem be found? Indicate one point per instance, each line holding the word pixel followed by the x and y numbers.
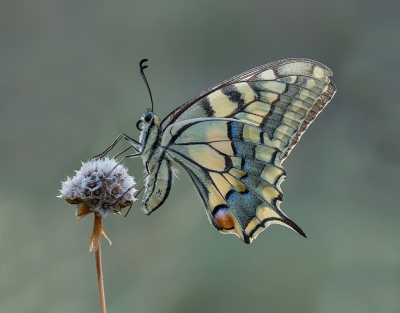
pixel 99 270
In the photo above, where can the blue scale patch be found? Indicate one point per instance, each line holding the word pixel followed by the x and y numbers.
pixel 232 197
pixel 237 150
pixel 234 130
pixel 246 166
pixel 247 195
pixel 221 210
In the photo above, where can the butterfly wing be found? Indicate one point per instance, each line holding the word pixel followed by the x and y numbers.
pixel 236 170
pixel 281 98
pixel 232 139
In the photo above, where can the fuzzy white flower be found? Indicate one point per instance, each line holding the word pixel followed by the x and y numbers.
pixel 101 186
pixel 96 187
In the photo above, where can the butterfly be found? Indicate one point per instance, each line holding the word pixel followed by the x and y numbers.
pixel 232 140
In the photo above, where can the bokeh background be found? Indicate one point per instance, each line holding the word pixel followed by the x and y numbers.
pixel 69 84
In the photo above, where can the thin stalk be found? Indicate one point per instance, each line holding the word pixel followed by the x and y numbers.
pixel 99 270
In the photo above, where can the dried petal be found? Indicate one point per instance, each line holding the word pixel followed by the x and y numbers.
pixel 96 233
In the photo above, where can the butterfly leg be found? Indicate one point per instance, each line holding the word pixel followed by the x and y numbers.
pixel 135 195
pixel 123 151
pixel 135 144
pixel 135 155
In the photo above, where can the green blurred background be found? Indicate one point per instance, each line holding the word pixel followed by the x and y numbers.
pixel 69 84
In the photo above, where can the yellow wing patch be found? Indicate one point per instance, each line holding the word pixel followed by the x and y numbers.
pixel 249 118
pixel 197 153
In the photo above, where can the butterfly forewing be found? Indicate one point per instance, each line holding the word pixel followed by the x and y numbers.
pixel 282 98
pixel 232 139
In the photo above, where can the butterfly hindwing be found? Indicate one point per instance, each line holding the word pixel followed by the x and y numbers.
pixel 235 170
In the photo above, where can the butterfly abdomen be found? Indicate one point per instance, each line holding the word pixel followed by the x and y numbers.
pixel 158 182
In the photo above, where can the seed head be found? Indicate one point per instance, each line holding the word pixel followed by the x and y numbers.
pixel 101 186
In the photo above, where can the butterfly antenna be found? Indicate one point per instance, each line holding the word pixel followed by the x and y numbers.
pixel 142 67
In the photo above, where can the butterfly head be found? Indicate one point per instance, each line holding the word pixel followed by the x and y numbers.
pixel 146 120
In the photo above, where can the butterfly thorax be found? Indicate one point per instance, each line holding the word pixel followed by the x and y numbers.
pixel 150 139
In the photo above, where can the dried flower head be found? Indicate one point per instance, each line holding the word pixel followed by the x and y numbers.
pixel 101 186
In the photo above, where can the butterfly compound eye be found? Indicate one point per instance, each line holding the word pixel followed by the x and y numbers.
pixel 148 117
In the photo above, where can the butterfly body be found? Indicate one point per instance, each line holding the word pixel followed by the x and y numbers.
pixel 232 140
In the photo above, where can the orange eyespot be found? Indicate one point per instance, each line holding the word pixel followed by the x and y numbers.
pixel 224 218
